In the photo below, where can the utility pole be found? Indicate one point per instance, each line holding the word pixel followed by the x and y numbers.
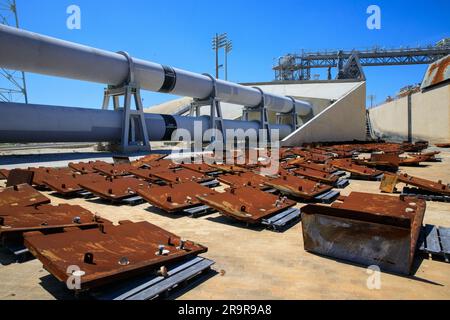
pixel 219 41
pixel 228 48
pixel 371 97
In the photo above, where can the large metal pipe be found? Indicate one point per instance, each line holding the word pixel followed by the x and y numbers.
pixel 32 52
pixel 42 123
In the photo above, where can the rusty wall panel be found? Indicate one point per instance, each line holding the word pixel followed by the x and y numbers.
pixel 118 252
pixel 437 72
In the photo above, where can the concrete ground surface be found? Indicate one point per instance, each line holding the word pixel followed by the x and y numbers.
pixel 258 263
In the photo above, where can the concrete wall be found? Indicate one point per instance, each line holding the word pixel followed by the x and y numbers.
pixel 428 117
pixel 344 120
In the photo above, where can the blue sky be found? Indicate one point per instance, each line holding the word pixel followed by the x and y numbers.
pixel 178 33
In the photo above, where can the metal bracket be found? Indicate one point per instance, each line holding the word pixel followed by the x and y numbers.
pixel 216 119
pixel 263 114
pixel 133 120
pixel 293 114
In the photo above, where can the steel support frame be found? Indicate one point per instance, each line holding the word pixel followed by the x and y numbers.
pixel 215 114
pixel 263 115
pixel 133 120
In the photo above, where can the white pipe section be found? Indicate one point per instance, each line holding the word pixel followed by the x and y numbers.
pixel 32 52
pixel 21 122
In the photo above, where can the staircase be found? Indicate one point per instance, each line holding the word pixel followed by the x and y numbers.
pixel 370 135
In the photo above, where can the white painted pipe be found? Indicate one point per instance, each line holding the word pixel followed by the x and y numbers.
pixel 21 122
pixel 32 52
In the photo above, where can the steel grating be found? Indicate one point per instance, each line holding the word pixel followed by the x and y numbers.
pixel 111 253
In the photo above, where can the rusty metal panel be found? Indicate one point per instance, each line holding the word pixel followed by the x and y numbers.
pixel 19 176
pixel 147 160
pixel 246 203
pixel 437 72
pixel 175 197
pixel 115 188
pixel 110 254
pixel 21 195
pixel 116 169
pixel 69 184
pixel 244 179
pixel 439 145
pixel 41 173
pixel 316 175
pixel 181 175
pixel 199 167
pixel 16 220
pixel 4 174
pixel 389 181
pixel 355 169
pixel 86 167
pixel 366 228
pixel 298 187
pixel 327 168
pixel 229 168
pixel 147 173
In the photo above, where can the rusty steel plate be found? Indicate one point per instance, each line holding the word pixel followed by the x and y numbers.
pixel 389 181
pixel 175 197
pixel 146 160
pixel 246 203
pixel 69 184
pixel 439 145
pixel 227 167
pixel 41 173
pixel 147 173
pixel 298 187
pixel 16 220
pixel 199 167
pixel 359 170
pixel 21 195
pixel 326 168
pixel 316 175
pixel 4 174
pixel 86 167
pixel 112 254
pixel 244 179
pixel 115 188
pixel 116 169
pixel 181 175
pixel 19 176
pixel 366 228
